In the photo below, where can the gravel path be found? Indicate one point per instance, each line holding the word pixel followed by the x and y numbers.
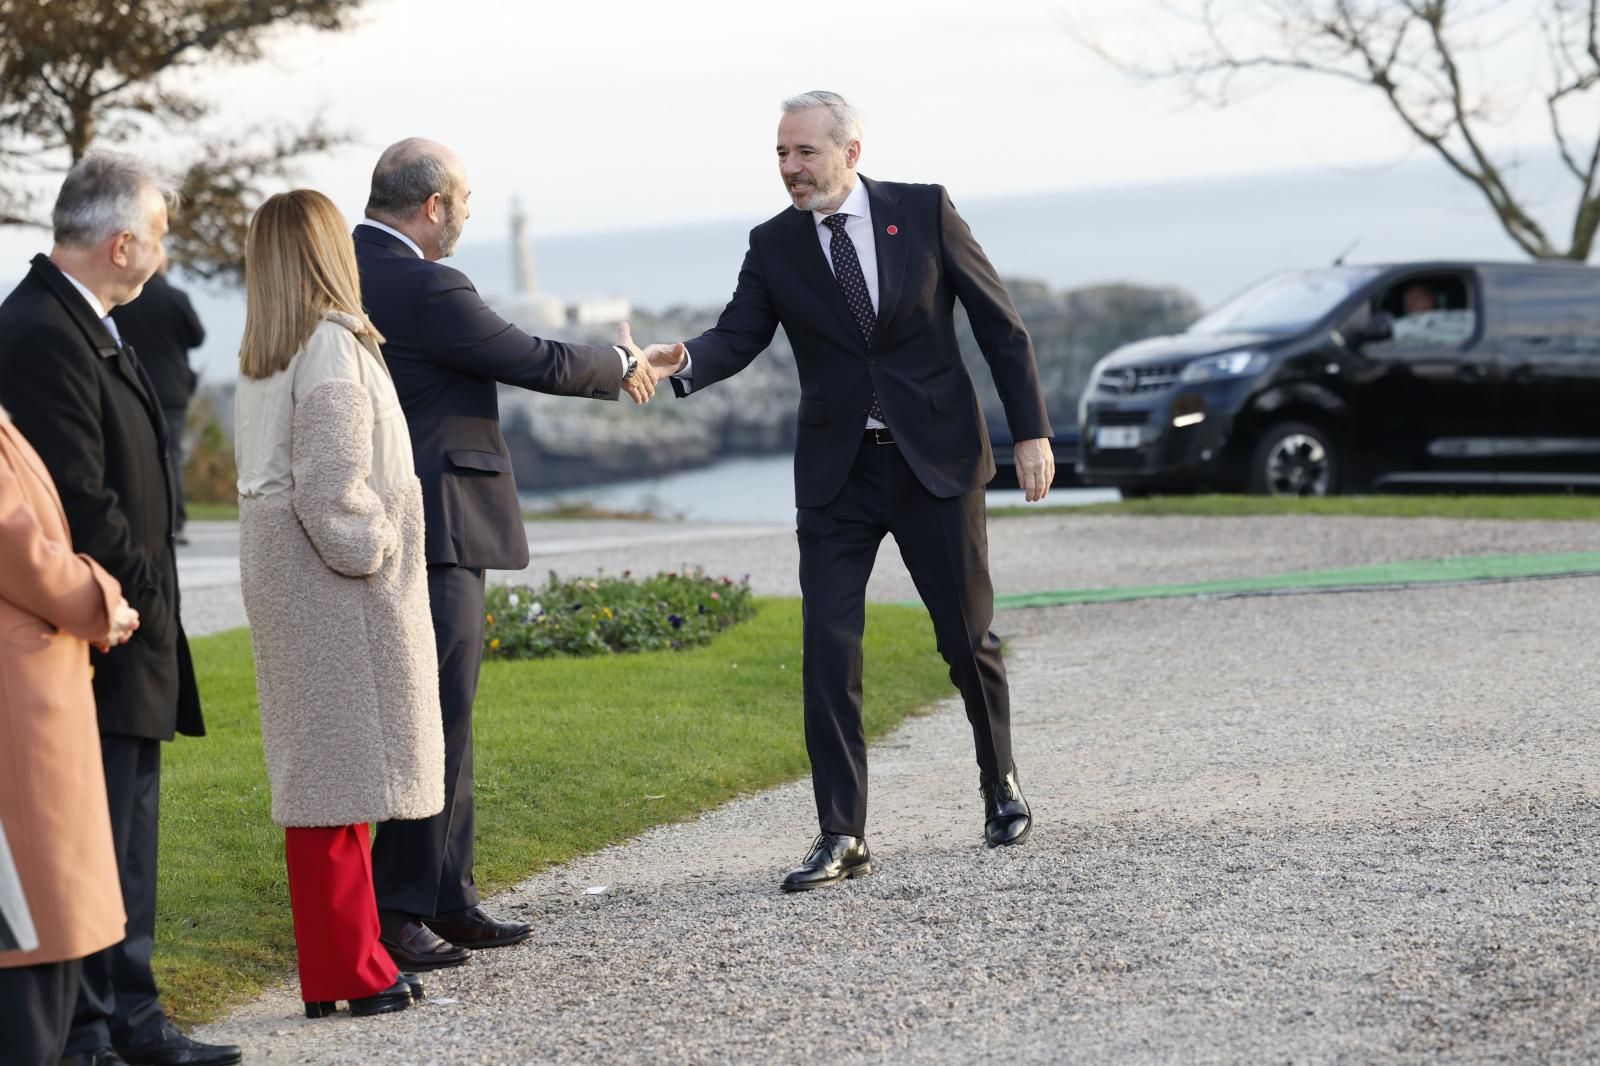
pixel 1320 828
pixel 1033 554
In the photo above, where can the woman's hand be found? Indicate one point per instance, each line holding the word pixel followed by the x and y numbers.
pixel 124 620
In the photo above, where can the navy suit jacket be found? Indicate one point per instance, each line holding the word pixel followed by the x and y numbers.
pixel 447 351
pixel 91 412
pixel 925 264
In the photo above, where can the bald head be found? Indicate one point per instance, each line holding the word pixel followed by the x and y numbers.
pixel 420 188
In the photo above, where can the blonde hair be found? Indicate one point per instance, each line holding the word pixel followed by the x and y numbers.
pixel 300 263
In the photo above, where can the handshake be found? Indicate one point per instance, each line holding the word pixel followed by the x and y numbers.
pixel 654 363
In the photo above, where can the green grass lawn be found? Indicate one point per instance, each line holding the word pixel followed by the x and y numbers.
pixel 211 512
pixel 572 755
pixel 1517 508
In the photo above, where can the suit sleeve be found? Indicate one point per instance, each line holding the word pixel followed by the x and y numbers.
pixel 464 334
pixel 55 403
pixel 1001 336
pixel 743 330
pixel 43 577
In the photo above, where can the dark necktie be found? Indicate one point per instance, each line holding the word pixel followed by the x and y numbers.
pixel 853 283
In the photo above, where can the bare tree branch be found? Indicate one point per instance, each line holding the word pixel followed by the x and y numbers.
pixel 1410 52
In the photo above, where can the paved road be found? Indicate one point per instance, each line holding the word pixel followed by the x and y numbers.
pixel 1320 828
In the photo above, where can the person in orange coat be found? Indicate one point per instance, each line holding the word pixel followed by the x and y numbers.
pixel 53 605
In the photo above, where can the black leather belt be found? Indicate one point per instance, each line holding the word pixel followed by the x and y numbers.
pixel 880 436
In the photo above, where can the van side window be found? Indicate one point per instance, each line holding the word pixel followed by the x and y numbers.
pixel 1430 311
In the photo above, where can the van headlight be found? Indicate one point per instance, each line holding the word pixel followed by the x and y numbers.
pixel 1227 365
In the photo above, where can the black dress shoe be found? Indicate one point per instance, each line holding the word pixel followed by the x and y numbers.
pixel 472 928
pixel 396 997
pixel 172 1048
pixel 833 858
pixel 413 946
pixel 415 983
pixel 1006 818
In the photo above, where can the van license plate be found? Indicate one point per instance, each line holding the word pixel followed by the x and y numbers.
pixel 1116 437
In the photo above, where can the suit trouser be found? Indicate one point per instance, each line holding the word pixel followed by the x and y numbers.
pixel 118 1003
pixel 36 1004
pixel 945 546
pixel 424 867
pixel 335 915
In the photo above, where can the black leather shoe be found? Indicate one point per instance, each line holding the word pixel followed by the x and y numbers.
pixel 474 929
pixel 172 1048
pixel 415 983
pixel 1006 818
pixel 396 997
pixel 833 858
pixel 413 946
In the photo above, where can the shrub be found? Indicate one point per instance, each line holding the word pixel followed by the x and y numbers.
pixel 602 615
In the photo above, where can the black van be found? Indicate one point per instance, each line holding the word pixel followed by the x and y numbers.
pixel 1321 381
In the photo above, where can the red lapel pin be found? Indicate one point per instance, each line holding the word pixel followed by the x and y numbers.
pixel 893 230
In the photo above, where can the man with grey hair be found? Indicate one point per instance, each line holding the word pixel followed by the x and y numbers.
pixel 863 275
pixel 448 353
pixel 81 398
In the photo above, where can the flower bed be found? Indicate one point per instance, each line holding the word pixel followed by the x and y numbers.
pixel 602 615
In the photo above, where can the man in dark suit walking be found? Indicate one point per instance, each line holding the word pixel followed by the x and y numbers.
pixel 85 403
pixel 162 327
pixel 448 352
pixel 863 276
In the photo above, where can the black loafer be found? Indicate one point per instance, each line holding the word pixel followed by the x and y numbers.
pixel 413 946
pixel 172 1048
pixel 1006 818
pixel 833 858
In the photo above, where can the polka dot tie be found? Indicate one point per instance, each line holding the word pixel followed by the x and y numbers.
pixel 853 283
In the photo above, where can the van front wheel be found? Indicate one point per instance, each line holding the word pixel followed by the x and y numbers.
pixel 1295 459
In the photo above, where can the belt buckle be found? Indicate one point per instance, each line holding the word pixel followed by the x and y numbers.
pixel 881 435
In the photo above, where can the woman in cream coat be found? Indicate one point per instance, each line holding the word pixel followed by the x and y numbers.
pixel 53 605
pixel 335 587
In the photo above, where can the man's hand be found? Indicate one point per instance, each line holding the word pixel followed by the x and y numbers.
pixel 668 359
pixel 641 384
pixel 1036 467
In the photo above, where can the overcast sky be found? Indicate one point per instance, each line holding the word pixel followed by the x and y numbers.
pixel 617 114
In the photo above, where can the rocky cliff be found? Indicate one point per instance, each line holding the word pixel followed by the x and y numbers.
pixel 559 441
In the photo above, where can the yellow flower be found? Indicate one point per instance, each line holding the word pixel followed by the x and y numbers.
pixel 607 611
pixel 489 618
pixel 494 645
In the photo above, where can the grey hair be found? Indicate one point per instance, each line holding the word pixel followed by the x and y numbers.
pixel 103 195
pixel 408 172
pixel 846 120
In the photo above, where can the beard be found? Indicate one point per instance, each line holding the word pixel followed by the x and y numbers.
pixel 818 196
pixel 451 234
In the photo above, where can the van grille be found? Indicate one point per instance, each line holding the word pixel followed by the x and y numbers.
pixel 1130 380
pixel 1118 418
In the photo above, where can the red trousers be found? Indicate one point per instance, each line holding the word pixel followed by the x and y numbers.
pixel 335 914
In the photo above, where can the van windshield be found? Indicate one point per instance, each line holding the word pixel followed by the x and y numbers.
pixel 1286 303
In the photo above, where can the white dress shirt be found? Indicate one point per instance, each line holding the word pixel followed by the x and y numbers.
pixel 96 306
pixel 391 231
pixel 858 227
